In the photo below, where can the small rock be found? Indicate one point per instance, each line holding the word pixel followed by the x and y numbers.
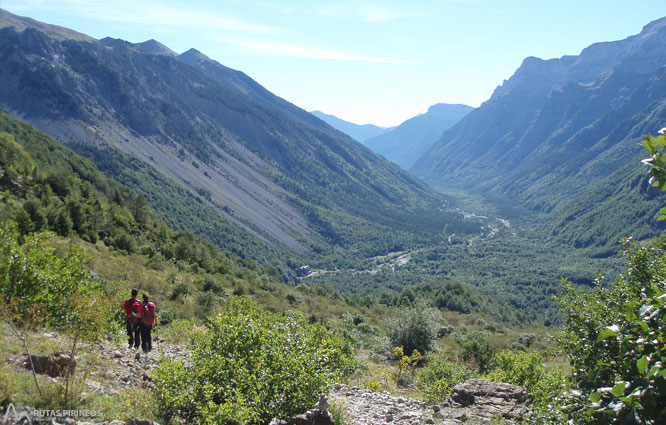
pixel 141 422
pixel 322 404
pixel 117 354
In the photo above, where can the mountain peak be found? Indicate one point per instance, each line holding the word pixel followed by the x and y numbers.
pixel 155 47
pixel 193 56
pixel 20 23
pixel 152 47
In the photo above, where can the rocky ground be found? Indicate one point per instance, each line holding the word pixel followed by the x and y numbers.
pixel 472 402
pixel 110 367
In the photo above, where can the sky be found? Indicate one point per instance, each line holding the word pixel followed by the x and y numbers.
pixel 378 62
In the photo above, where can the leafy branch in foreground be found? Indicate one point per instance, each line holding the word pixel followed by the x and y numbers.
pixel 614 336
pixel 656 147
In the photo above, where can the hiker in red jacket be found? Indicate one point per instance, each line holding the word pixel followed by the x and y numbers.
pixel 133 311
pixel 147 323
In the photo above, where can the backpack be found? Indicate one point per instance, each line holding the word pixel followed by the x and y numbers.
pixel 148 314
pixel 136 309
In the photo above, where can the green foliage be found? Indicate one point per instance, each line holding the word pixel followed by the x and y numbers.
pixel 414 328
pixel 475 347
pixel 614 338
pixel 339 414
pixel 527 370
pixel 358 331
pixel 252 365
pixel 37 285
pixel 438 378
pixel 655 147
pixel 405 363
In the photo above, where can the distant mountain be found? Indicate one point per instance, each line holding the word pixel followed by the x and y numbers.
pixel 405 143
pixel 360 132
pixel 246 156
pixel 558 127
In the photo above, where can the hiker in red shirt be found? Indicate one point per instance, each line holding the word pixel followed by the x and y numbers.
pixel 147 323
pixel 133 311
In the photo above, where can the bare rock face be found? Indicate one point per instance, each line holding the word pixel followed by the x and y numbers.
pixel 484 400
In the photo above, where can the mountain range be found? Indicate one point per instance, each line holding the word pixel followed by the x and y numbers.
pixel 216 153
pixel 559 132
pixel 360 132
pixel 241 157
pixel 405 143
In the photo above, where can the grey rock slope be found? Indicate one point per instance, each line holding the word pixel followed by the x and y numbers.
pixel 405 143
pixel 360 132
pixel 558 125
pixel 259 161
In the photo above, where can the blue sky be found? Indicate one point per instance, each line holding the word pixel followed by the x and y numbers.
pixel 378 62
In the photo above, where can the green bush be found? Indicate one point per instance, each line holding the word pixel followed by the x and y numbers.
pixel 360 333
pixel 527 370
pixel 414 328
pixel 476 347
pixel 39 286
pixel 251 365
pixel 438 378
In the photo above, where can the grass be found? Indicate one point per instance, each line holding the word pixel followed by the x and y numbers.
pixel 339 413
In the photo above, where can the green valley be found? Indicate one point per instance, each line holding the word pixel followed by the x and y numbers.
pixel 521 252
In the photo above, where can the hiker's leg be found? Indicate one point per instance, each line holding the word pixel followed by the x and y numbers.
pixel 130 333
pixel 144 338
pixel 149 337
pixel 137 336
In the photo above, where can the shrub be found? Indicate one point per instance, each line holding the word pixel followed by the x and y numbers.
pixel 360 333
pixel 438 378
pixel 614 338
pixel 414 328
pixel 526 369
pixel 405 363
pixel 251 365
pixel 477 348
pixel 179 291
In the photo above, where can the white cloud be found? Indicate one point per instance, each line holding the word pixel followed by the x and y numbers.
pixel 144 13
pixel 376 14
pixel 294 50
pixel 365 12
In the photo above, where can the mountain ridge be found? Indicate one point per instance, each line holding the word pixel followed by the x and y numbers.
pixel 554 117
pixel 405 143
pixel 256 159
pixel 359 132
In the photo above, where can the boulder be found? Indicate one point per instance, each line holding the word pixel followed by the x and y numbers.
pixel 54 365
pixel 484 400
